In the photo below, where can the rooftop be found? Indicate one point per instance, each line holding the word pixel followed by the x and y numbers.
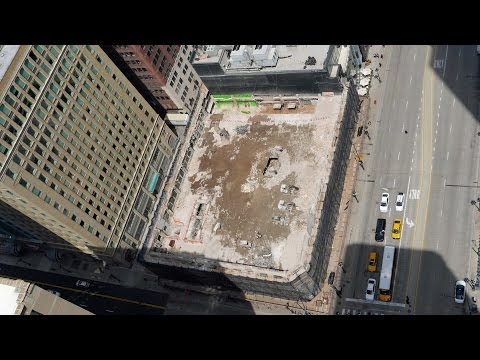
pixel 251 195
pixel 291 57
pixel 7 53
pixel 8 299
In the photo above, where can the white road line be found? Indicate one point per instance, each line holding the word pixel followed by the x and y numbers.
pixel 445 63
pixel 414 56
pixel 415 134
pixel 440 100
pixel 441 91
pixel 412 160
pixel 453 102
pixel 411 167
pixel 437 124
pixel 415 141
pixel 448 154
pixel 438 115
pixel 394 182
pixel 410 79
pixel 435 138
pixel 444 182
pixel 434 147
pixel 417 125
pixel 403 222
pixel 438 241
pixel 441 212
pixel 398 157
pixel 456 77
pixel 376 302
pixel 450 128
pixel 403 127
pixel 413 153
pixel 406 105
pixel 459 52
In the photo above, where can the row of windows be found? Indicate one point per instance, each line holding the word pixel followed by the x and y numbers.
pixel 65 211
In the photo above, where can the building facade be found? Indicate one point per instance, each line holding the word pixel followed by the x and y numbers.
pixel 82 152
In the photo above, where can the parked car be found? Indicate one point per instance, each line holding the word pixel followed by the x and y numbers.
pixel 370 293
pixel 82 283
pixel 384 202
pixel 460 291
pixel 399 202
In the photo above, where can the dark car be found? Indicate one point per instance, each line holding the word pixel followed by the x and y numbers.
pixel 380 229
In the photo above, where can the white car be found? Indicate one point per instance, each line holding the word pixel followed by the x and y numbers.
pixel 82 283
pixel 460 291
pixel 370 293
pixel 399 202
pixel 384 202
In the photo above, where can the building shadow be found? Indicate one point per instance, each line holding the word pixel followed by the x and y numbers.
pixel 425 271
pixel 458 67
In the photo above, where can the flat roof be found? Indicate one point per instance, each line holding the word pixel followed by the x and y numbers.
pixel 290 57
pixel 7 53
pixel 8 299
pixel 251 195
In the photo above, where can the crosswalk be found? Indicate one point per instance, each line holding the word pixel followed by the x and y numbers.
pixel 358 312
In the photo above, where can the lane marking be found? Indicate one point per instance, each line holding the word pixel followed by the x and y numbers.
pixel 444 182
pixel 406 105
pixel 414 56
pixel 448 154
pixel 398 157
pixel 403 127
pixel 445 63
pixel 393 102
pixel 453 102
pixel 459 52
pixel 394 182
pixel 410 79
pixel 403 222
pixel 456 77
pixel 450 128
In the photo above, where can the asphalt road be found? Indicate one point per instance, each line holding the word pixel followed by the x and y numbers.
pixel 435 163
pixel 99 298
pixel 454 179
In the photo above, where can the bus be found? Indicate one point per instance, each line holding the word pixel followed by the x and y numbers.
pixel 385 292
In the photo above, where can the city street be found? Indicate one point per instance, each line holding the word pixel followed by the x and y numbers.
pixel 424 143
pixel 99 298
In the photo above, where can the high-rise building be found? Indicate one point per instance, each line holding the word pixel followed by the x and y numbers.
pixel 164 71
pixel 165 76
pixel 83 155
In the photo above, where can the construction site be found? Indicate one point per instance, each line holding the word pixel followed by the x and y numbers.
pixel 260 200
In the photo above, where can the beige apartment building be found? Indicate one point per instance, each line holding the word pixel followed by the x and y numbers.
pixel 83 156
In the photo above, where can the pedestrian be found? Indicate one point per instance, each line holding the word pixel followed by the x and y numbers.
pixel 380 64
pixel 381 56
pixel 408 300
pixel 406 132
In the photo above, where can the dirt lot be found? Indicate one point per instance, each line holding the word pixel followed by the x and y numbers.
pixel 236 175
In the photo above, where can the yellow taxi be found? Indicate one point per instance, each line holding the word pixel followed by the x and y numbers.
pixel 372 261
pixel 396 229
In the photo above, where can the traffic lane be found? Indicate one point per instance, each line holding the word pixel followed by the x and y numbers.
pixel 68 282
pixel 100 305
